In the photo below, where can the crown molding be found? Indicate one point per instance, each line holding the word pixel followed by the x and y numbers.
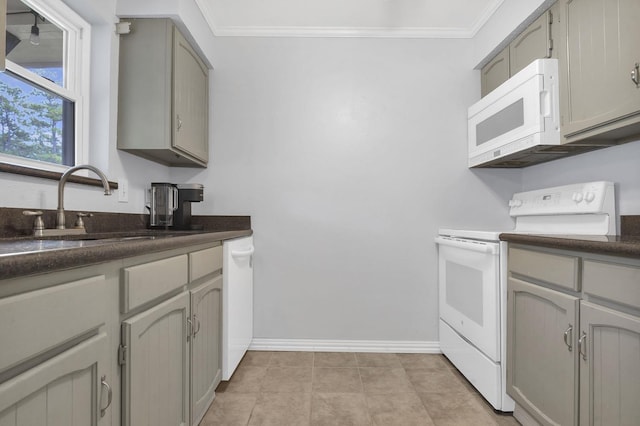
pixel 381 32
pixel 347 32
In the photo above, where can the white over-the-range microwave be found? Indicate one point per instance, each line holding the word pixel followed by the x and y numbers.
pixel 518 123
pixel 520 114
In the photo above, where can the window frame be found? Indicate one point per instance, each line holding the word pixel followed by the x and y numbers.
pixel 76 74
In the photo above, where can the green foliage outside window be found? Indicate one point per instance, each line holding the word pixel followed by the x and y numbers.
pixel 31 121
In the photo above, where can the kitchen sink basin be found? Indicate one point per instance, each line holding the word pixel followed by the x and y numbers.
pixel 33 245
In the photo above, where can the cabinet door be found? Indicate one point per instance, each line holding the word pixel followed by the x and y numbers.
pixel 66 390
pixel 602 50
pixel 190 100
pixel 206 365
pixel 541 367
pixel 533 43
pixel 609 367
pixel 156 381
pixel 495 72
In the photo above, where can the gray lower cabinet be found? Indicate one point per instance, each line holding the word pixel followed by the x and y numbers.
pixel 171 346
pixel 206 362
pixel 609 366
pixel 163 98
pixel 541 365
pixel 573 351
pixel 64 390
pixel 54 351
pixel 155 387
pixel 155 317
pixel 602 53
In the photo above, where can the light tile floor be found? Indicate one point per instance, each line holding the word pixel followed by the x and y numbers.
pixel 334 389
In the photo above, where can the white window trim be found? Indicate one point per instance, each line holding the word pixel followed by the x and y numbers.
pixel 77 70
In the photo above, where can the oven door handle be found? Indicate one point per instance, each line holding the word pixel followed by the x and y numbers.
pixel 473 246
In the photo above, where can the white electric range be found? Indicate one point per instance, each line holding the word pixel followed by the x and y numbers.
pixel 472 277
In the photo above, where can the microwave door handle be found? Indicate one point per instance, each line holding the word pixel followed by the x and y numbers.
pixel 479 247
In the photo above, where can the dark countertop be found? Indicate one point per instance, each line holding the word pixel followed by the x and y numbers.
pixel 627 244
pixel 110 236
pixel 614 245
pixel 27 256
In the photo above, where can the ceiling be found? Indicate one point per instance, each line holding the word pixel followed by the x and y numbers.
pixel 348 18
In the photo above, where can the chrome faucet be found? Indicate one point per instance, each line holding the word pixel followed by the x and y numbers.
pixel 63 180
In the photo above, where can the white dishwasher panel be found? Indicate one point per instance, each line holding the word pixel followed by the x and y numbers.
pixel 237 302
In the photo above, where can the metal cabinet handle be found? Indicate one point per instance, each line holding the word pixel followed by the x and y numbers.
pixel 635 74
pixel 179 122
pixel 104 384
pixel 197 324
pixel 567 339
pixel 581 342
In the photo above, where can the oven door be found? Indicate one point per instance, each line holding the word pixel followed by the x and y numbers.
pixel 468 280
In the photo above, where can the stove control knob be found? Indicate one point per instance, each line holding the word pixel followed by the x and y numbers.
pixel 589 197
pixel 515 203
pixel 577 197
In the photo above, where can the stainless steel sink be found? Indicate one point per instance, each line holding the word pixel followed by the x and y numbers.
pixel 31 245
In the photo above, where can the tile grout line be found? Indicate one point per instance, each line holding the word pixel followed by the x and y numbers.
pixel 313 370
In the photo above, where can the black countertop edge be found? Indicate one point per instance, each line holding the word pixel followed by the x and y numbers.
pixel 38 262
pixel 614 245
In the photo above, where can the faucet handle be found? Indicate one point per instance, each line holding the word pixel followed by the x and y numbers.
pixel 38 224
pixel 79 222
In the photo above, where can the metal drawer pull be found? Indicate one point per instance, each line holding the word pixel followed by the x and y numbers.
pixel 581 341
pixel 103 382
pixel 635 74
pixel 567 339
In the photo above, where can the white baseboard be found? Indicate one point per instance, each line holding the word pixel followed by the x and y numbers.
pixel 317 345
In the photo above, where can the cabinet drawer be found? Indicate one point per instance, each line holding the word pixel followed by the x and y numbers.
pixel 143 283
pixel 33 323
pixel 204 262
pixel 615 282
pixel 555 269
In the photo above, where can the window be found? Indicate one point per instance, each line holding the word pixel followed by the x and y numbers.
pixel 43 112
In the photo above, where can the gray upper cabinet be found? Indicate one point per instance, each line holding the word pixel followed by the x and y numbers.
pixel 495 72
pixel 534 43
pixel 602 52
pixel 163 96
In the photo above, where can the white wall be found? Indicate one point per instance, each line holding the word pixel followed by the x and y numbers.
pixel 348 154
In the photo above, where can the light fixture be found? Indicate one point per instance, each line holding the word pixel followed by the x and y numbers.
pixel 34 38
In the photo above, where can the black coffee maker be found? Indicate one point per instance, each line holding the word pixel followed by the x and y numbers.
pixel 170 205
pixel 187 193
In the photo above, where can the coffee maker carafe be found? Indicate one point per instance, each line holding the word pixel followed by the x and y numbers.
pixel 170 205
pixel 163 203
